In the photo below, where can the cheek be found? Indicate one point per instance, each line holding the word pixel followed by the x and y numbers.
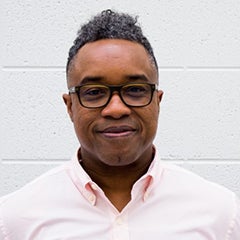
pixel 153 110
pixel 154 114
pixel 82 120
pixel 149 118
pixel 153 121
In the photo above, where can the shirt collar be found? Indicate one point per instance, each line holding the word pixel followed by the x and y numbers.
pixel 151 178
pixel 88 188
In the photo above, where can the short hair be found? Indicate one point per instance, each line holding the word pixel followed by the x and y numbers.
pixel 110 25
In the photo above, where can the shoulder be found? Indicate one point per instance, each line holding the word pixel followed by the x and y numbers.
pixel 20 210
pixel 188 180
pixel 191 185
pixel 199 198
pixel 36 189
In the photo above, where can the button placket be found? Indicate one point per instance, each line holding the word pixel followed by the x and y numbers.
pixel 120 228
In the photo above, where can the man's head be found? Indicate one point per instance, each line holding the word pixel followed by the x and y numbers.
pixel 110 25
pixel 113 101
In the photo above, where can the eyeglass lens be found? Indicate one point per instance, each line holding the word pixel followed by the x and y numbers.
pixel 92 95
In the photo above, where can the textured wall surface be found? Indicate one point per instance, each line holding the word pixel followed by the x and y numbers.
pixel 197 44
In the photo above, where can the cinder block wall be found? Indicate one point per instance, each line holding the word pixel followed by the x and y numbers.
pixel 197 44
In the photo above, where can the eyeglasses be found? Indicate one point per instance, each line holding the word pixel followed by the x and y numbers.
pixel 99 95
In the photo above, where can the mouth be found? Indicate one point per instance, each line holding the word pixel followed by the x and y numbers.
pixel 118 131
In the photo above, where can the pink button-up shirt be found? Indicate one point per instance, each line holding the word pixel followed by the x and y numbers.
pixel 168 203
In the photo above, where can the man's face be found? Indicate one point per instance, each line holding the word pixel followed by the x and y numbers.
pixel 116 135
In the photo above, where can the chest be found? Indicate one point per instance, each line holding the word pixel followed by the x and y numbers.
pixel 92 224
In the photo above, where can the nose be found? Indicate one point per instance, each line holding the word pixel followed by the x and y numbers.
pixel 116 108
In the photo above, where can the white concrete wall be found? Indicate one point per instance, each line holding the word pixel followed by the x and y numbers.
pixel 197 44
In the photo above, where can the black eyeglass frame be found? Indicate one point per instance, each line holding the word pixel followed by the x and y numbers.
pixel 112 88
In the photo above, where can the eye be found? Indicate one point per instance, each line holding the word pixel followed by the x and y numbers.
pixel 136 90
pixel 93 92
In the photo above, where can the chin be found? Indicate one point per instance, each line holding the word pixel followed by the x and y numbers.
pixel 117 160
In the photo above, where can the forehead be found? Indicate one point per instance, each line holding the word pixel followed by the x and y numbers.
pixel 111 58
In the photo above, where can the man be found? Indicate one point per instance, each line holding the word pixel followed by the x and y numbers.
pixel 116 187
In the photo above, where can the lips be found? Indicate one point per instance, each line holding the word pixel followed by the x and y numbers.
pixel 118 131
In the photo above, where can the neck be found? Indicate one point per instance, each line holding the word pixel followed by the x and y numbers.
pixel 116 177
pixel 117 181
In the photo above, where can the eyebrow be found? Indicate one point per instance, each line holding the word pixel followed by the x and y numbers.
pixel 88 79
pixel 137 77
pixel 129 78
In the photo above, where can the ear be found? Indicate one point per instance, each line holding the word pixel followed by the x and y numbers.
pixel 160 95
pixel 68 102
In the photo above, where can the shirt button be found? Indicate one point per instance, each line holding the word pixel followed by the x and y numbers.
pixel 93 186
pixel 91 198
pixel 145 196
pixel 119 221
